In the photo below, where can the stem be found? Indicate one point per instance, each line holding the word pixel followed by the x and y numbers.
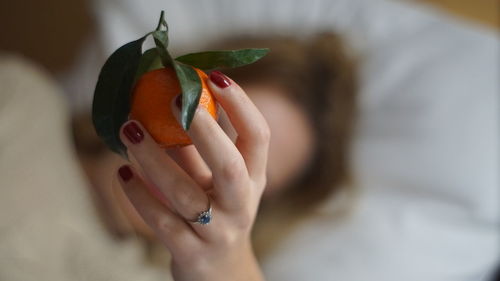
pixel 162 20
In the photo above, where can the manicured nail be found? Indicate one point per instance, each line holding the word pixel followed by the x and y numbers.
pixel 125 173
pixel 133 133
pixel 178 101
pixel 219 79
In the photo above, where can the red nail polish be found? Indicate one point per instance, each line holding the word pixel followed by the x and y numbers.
pixel 219 79
pixel 125 173
pixel 133 132
pixel 178 101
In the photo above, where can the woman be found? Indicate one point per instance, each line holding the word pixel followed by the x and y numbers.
pixel 423 208
pixel 306 92
pixel 425 155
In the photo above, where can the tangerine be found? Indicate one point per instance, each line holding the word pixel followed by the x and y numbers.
pixel 151 100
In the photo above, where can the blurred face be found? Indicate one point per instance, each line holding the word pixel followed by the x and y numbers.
pixel 290 151
pixel 292 141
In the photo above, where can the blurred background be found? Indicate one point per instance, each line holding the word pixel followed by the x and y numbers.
pixel 68 24
pixel 55 34
pixel 424 150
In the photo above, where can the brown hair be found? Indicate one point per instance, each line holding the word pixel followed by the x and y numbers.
pixel 320 76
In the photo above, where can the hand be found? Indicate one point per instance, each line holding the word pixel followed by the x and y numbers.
pixel 175 187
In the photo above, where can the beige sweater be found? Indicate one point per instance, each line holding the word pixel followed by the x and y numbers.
pixel 48 226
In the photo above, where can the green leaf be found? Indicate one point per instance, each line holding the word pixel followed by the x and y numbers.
pixel 111 104
pixel 162 22
pixel 191 92
pixel 161 41
pixel 161 38
pixel 161 35
pixel 150 60
pixel 188 79
pixel 223 59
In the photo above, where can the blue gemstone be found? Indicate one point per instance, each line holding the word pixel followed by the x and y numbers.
pixel 204 218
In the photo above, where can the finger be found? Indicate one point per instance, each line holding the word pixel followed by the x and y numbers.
pixel 251 127
pixel 190 161
pixel 226 125
pixel 172 230
pixel 151 186
pixel 128 215
pixel 229 173
pixel 182 192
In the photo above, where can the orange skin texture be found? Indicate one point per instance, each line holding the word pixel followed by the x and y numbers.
pixel 151 105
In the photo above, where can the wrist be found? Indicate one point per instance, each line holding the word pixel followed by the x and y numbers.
pixel 237 264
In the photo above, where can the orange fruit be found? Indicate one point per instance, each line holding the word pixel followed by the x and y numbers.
pixel 151 100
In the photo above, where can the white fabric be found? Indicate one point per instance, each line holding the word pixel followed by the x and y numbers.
pixel 426 154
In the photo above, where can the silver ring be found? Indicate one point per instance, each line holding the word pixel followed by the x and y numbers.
pixel 204 217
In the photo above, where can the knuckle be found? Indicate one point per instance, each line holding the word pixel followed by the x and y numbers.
pixel 182 198
pixel 204 180
pixel 227 239
pixel 181 193
pixel 262 134
pixel 245 220
pixel 261 181
pixel 162 224
pixel 234 169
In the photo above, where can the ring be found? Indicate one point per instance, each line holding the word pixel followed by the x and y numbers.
pixel 204 217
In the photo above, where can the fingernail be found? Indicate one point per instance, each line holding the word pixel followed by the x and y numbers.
pixel 219 79
pixel 178 101
pixel 133 133
pixel 125 173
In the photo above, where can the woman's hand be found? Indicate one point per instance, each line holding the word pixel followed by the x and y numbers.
pixel 229 177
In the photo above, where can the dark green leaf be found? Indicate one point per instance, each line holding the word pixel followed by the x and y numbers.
pixel 188 79
pixel 160 38
pixel 150 60
pixel 191 92
pixel 161 35
pixel 162 22
pixel 223 59
pixel 111 104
